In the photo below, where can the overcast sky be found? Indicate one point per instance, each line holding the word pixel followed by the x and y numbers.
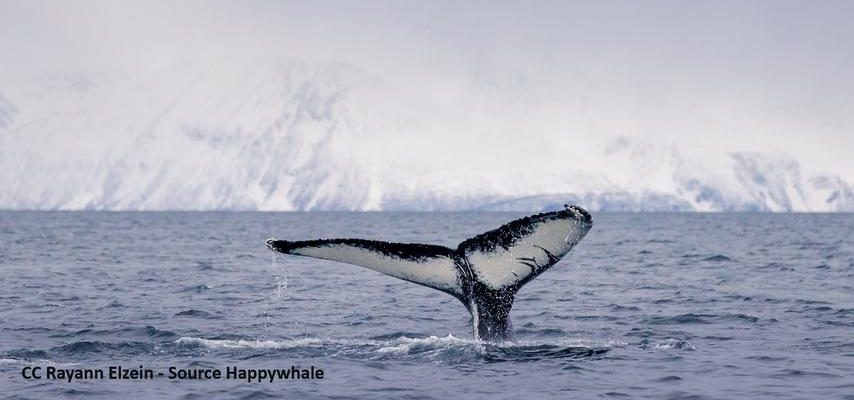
pixel 754 74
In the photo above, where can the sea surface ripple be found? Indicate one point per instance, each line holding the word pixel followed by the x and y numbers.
pixel 659 306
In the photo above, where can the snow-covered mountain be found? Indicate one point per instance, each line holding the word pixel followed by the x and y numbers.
pixel 6 112
pixel 292 135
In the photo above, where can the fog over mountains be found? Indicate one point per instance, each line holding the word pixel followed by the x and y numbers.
pixel 292 135
pixel 440 105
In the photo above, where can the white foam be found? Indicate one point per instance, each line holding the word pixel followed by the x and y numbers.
pixel 668 344
pixel 401 345
pixel 577 342
pixel 384 345
pixel 34 362
pixel 250 344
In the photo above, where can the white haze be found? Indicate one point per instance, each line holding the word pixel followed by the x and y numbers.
pixel 431 105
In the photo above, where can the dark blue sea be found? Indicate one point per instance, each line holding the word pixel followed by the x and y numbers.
pixel 657 306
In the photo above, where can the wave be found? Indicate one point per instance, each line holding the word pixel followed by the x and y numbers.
pixel 666 344
pixel 253 344
pixel 89 347
pixel 701 319
pixel 446 348
pixel 717 258
pixel 37 361
pixel 193 313
pixel 125 332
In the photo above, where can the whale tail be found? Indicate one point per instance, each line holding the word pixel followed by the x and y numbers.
pixel 484 272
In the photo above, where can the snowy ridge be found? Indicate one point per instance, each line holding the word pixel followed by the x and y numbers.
pixel 7 111
pixel 760 186
pixel 291 135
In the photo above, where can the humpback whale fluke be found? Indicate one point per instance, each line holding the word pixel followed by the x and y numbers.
pixel 484 272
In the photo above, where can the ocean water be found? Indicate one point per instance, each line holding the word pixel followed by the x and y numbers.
pixel 660 306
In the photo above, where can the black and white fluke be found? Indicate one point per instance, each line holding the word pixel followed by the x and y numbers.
pixel 484 272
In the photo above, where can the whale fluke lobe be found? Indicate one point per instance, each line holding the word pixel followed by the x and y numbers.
pixel 484 272
pixel 425 264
